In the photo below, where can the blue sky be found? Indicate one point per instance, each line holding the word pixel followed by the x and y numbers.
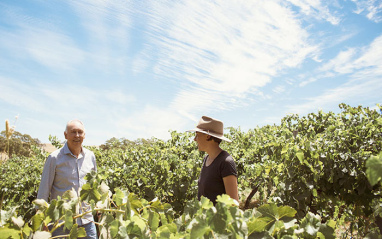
pixel 137 69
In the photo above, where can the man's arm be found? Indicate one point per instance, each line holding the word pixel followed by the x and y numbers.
pixel 230 185
pixel 47 179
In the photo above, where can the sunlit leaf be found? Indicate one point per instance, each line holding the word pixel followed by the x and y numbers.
pixel 7 232
pixel 226 199
pixel 153 220
pixel 88 193
pixel 70 194
pixel 114 228
pixel 135 202
pixel 285 211
pixel 374 169
pixel 300 156
pixel 103 188
pixel 206 203
pixel 256 225
pixel 120 197
pixel 41 203
pixel 41 235
pixel 52 211
pixel 198 230
pixel 76 232
pixel 68 220
pixel 18 221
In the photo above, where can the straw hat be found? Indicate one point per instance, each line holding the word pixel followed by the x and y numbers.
pixel 210 126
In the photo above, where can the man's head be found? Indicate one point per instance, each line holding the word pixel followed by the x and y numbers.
pixel 74 133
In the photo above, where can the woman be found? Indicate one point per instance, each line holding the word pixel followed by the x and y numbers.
pixel 218 174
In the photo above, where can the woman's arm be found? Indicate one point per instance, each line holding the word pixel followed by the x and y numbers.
pixel 230 184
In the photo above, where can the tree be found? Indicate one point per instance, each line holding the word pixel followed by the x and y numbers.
pixel 19 144
pixel 124 144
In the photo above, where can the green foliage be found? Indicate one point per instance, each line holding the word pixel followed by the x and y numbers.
pixel 19 182
pixel 166 170
pixel 55 141
pixel 316 163
pixel 124 215
pixel 308 175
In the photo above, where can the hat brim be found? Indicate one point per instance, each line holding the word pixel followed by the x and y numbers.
pixel 209 133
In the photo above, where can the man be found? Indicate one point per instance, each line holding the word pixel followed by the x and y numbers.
pixel 218 174
pixel 65 169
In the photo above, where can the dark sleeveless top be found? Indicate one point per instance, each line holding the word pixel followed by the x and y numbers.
pixel 210 183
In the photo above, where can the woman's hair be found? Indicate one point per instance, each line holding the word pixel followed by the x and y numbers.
pixel 217 140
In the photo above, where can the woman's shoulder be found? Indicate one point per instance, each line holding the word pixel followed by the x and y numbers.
pixel 227 162
pixel 225 156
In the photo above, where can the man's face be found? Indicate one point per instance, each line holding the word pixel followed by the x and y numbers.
pixel 75 134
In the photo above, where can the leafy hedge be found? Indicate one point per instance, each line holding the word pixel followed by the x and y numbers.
pixel 124 215
pixel 315 164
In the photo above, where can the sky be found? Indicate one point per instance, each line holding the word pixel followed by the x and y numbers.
pixel 140 69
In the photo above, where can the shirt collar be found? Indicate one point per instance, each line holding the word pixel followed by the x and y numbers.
pixel 67 150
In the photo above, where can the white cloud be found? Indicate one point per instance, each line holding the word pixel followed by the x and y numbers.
pixel 19 94
pixel 342 63
pixel 55 105
pixel 103 39
pixel 222 55
pixel 118 97
pixel 149 122
pixel 106 26
pixel 372 56
pixel 279 89
pixel 338 39
pixel 353 59
pixel 349 92
pixel 140 63
pixel 53 50
pixel 306 82
pixel 371 8
pixel 363 68
pixel 48 98
pixel 34 37
pixel 226 50
pixel 106 21
pixel 200 100
pixel 317 9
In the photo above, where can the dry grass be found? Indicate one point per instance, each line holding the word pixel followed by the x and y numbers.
pixel 49 148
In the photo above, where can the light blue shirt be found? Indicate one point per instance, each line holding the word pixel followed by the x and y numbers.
pixel 63 171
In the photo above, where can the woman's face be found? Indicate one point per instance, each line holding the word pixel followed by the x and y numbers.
pixel 201 140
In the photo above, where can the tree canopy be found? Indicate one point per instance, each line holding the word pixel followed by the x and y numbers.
pixel 19 144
